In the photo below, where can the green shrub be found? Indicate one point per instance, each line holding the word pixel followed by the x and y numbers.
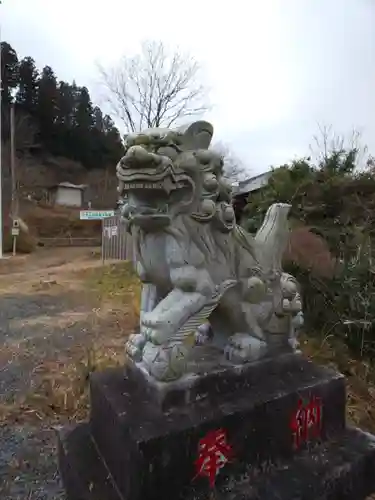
pixel 335 202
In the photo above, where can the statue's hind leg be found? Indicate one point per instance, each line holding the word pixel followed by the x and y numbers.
pixel 249 344
pixel 246 340
pixel 242 348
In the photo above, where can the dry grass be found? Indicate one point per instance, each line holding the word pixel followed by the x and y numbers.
pixel 360 378
pixel 53 222
pixel 115 285
pixel 59 387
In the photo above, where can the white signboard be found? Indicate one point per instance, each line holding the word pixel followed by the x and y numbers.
pixel 111 231
pixel 15 231
pixel 95 214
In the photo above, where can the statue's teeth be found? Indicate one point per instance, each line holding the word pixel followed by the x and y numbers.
pixel 143 185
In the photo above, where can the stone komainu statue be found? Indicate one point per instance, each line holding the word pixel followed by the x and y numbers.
pixel 204 278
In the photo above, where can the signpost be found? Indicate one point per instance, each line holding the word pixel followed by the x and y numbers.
pixel 95 214
pixel 111 231
pixel 15 233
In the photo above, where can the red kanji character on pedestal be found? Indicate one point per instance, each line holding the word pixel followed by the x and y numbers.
pixel 298 425
pixel 306 421
pixel 314 416
pixel 214 453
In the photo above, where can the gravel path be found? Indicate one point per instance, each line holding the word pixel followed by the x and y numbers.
pixel 28 467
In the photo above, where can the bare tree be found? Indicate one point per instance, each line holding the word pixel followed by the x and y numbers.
pixel 155 88
pixel 327 141
pixel 234 169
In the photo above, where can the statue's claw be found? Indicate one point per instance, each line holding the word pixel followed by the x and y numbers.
pixel 165 363
pixel 134 346
pixel 203 334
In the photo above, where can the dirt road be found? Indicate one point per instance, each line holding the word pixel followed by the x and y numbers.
pixel 27 456
pixel 46 326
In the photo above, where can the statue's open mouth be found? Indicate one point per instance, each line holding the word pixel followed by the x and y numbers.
pixel 150 185
pixel 148 201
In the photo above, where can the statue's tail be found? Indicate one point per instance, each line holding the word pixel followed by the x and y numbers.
pixel 272 238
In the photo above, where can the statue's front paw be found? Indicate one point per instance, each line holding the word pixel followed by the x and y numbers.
pixel 242 347
pixel 134 346
pixel 155 331
pixel 165 363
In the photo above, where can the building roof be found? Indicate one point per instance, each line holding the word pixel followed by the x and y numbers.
pixel 69 185
pixel 251 184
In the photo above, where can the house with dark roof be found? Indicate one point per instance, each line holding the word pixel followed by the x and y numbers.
pixel 241 191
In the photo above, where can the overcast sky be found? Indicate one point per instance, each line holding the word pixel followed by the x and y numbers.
pixel 277 68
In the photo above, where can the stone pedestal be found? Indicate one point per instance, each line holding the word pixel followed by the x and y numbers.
pixel 271 430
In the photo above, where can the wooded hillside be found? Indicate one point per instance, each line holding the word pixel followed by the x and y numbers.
pixel 54 116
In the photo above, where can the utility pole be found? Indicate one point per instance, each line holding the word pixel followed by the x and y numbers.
pixel 13 160
pixel 1 165
pixel 14 179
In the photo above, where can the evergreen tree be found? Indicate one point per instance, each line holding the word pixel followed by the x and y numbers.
pixel 98 119
pixel 65 111
pixel 9 72
pixel 65 105
pixel 47 107
pixel 115 148
pixel 83 121
pixel 27 95
pixel 75 95
pixel 9 82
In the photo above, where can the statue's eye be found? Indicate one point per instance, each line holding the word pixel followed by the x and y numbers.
pixel 168 151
